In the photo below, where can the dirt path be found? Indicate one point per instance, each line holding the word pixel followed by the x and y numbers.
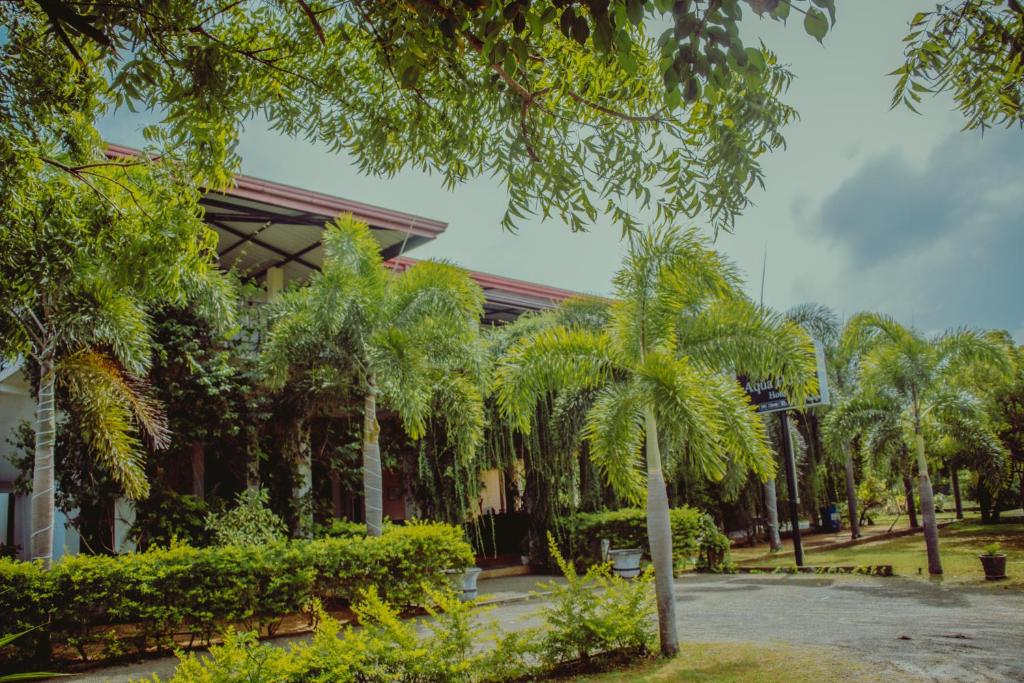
pixel 937 633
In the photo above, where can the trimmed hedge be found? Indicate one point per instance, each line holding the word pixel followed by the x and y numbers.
pixel 696 540
pixel 156 594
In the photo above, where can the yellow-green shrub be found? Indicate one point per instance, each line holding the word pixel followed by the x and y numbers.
pixel 201 590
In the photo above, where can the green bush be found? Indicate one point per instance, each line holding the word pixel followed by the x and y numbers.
pixel 596 614
pixel 590 616
pixel 250 522
pixel 696 541
pixel 198 591
pixel 339 528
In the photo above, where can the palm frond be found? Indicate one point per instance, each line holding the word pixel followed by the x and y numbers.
pixel 550 360
pixel 735 335
pixel 820 321
pixel 112 407
pixel 962 349
pixel 685 408
pixel 667 271
pixel 614 429
pixel 432 294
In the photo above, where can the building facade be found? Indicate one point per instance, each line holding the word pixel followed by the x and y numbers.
pixel 271 234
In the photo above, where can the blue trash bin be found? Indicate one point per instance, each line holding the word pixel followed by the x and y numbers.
pixel 829 519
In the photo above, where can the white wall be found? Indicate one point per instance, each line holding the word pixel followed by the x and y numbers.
pixel 16 405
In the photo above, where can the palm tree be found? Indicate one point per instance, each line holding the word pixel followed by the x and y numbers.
pixel 911 379
pixel 408 341
pixel 77 277
pixel 663 367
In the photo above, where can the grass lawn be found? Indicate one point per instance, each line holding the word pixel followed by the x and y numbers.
pixel 748 663
pixel 960 545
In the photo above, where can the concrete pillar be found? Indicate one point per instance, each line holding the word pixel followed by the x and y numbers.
pixel 274 282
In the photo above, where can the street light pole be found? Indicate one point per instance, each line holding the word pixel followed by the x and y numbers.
pixel 790 462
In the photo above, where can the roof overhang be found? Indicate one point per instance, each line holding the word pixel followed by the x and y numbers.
pixel 263 224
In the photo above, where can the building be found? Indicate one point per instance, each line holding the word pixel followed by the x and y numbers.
pixel 271 233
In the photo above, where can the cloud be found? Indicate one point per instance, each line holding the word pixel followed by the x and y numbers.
pixel 938 246
pixel 889 208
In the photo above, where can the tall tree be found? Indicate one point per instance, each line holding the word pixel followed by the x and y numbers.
pixel 915 377
pixel 663 369
pixel 972 49
pixel 572 104
pixel 406 341
pixel 77 278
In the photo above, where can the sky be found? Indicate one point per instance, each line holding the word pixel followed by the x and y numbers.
pixel 867 208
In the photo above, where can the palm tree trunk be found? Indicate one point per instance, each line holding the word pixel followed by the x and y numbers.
pixel 659 534
pixel 771 508
pixel 954 479
pixel 373 497
pixel 42 469
pixel 908 493
pixel 931 529
pixel 851 494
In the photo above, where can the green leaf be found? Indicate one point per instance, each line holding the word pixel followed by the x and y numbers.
pixel 635 11
pixel 816 23
pixel 410 75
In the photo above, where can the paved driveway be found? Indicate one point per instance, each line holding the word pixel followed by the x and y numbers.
pixel 938 633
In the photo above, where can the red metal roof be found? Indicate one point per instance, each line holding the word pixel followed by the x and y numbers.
pixel 501 284
pixel 318 203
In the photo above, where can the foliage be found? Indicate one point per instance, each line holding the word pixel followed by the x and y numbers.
pixel 250 522
pixel 155 594
pixel 973 49
pixel 409 340
pixel 168 517
pixel 573 106
pixel 992 549
pixel 6 640
pixel 339 528
pixel 872 494
pixel 596 613
pixel 696 541
pixel 678 324
pixel 591 615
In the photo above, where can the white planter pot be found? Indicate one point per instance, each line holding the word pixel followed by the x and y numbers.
pixel 465 581
pixel 626 563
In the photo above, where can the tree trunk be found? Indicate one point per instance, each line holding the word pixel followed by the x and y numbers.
pixel 302 486
pixel 908 493
pixel 198 460
pixel 954 481
pixel 42 469
pixel 659 534
pixel 771 508
pixel 851 494
pixel 931 529
pixel 373 497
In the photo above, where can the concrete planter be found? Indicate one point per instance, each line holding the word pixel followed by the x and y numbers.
pixel 465 581
pixel 995 566
pixel 626 563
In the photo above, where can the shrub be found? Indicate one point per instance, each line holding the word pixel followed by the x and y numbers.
pixel 339 528
pixel 595 614
pixel 250 522
pixel 696 541
pixel 82 599
pixel 592 615
pixel 167 516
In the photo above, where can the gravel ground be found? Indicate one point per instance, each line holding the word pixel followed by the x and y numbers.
pixel 917 627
